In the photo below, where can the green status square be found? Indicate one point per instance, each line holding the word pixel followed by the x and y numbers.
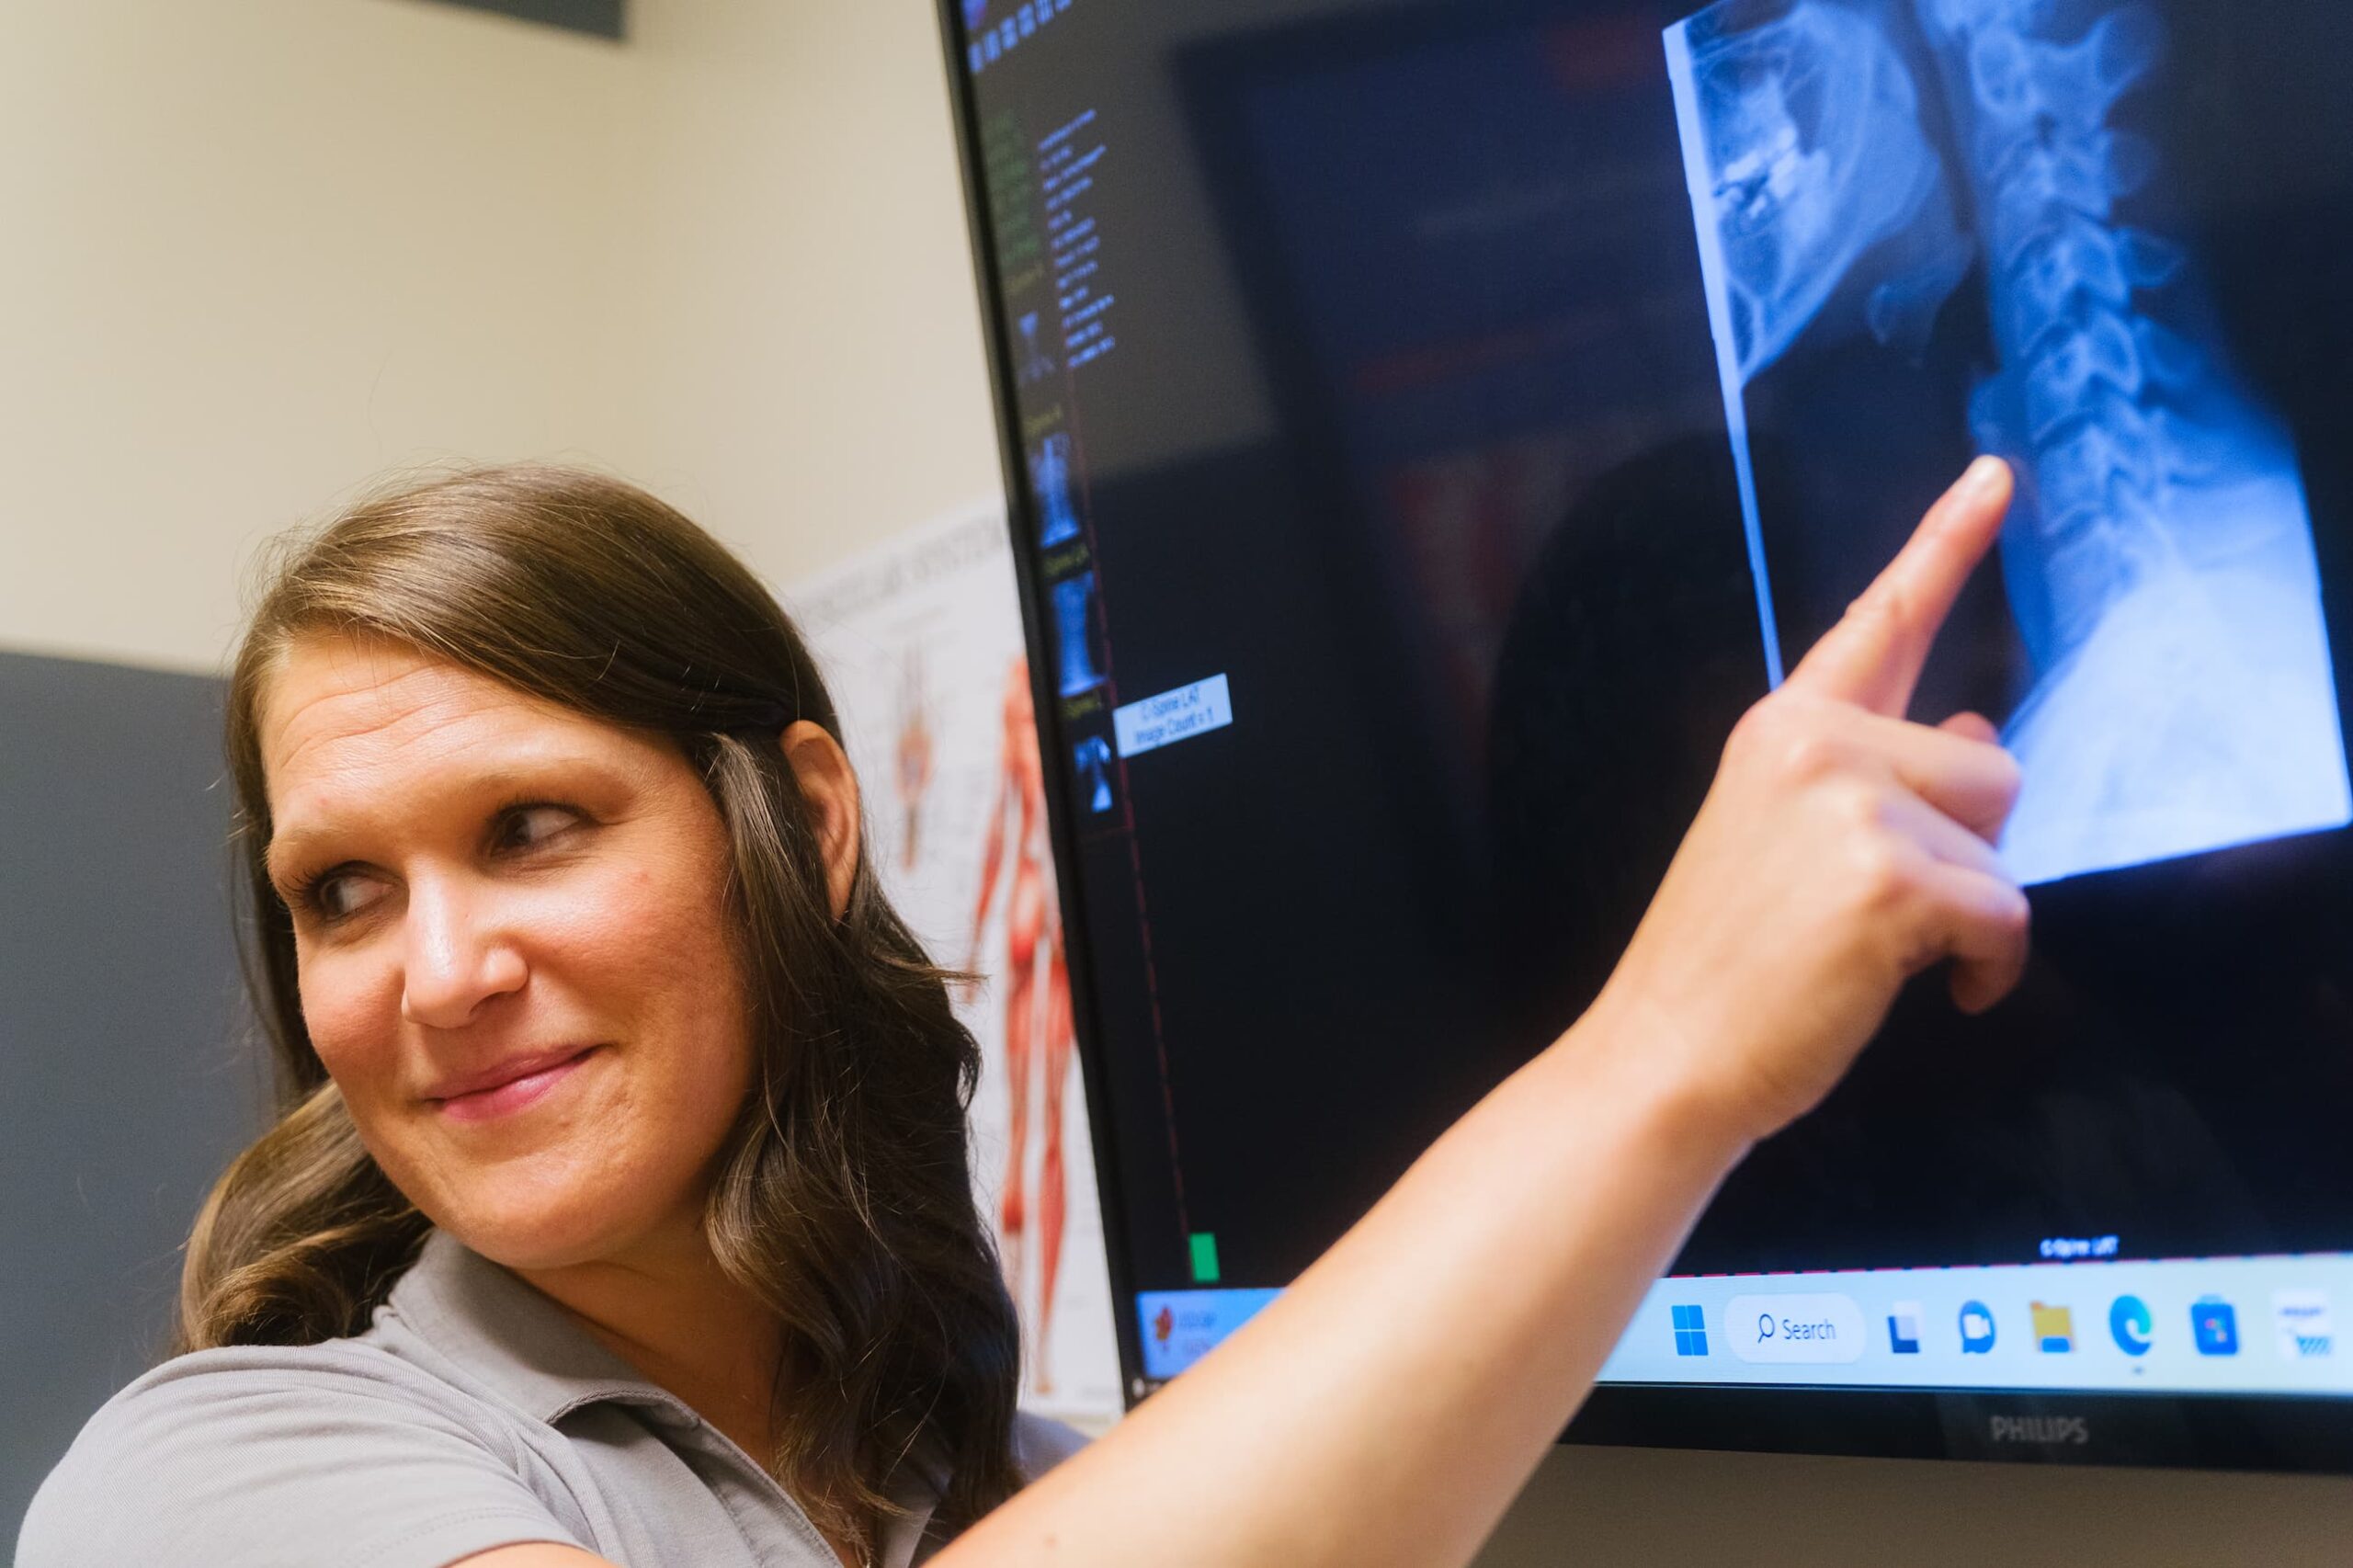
pixel 1204 1258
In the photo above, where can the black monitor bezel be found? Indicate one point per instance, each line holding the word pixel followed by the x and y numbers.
pixel 2288 1434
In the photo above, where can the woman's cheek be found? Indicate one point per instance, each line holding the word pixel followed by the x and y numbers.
pixel 351 1011
pixel 656 936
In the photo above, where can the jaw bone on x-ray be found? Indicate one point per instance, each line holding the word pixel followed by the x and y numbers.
pixel 2159 563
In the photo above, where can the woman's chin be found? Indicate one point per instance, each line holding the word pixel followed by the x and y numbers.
pixel 531 1243
pixel 540 1220
pixel 588 1174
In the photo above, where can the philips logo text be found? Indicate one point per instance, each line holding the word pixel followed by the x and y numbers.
pixel 2044 1429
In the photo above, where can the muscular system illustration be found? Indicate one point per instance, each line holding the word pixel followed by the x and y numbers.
pixel 1037 1028
pixel 1852 162
pixel 914 755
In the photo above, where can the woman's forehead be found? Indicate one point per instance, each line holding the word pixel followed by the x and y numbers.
pixel 336 707
pixel 324 689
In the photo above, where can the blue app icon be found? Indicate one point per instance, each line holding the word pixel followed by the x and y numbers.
pixel 1976 1329
pixel 2214 1324
pixel 2130 1321
pixel 1690 1331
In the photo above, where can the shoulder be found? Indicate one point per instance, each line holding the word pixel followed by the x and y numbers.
pixel 256 1454
pixel 1039 1443
pixel 342 1390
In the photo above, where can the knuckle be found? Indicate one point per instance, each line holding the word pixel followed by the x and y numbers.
pixel 1808 756
pixel 1881 604
pixel 1856 806
pixel 1878 879
pixel 1899 604
pixel 1791 740
pixel 1754 733
pixel 2009 775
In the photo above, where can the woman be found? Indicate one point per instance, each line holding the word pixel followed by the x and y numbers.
pixel 618 1210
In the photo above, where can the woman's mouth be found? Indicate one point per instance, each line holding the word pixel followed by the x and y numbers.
pixel 513 1087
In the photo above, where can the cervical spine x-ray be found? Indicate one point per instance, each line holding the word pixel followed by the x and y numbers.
pixel 1049 478
pixel 1854 164
pixel 1074 634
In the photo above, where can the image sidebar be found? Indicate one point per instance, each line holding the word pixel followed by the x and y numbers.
pixel 1864 175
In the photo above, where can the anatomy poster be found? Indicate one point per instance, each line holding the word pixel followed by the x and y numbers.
pixel 921 642
pixel 1993 217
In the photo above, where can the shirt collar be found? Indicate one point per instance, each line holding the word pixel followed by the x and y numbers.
pixel 510 1336
pixel 530 1351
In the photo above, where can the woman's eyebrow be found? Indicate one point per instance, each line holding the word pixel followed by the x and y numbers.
pixel 289 848
pixel 552 773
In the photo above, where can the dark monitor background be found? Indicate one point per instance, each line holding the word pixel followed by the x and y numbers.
pixel 1433 424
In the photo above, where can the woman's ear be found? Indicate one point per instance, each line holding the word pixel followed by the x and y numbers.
pixel 822 771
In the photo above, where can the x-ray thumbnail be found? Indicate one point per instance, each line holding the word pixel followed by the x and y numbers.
pixel 1050 479
pixel 1091 756
pixel 1077 635
pixel 1865 173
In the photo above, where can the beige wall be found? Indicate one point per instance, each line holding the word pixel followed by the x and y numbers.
pixel 807 373
pixel 258 250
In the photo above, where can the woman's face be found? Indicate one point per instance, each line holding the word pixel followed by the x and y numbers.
pixel 510 926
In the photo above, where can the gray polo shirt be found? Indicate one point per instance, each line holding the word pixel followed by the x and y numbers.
pixel 473 1414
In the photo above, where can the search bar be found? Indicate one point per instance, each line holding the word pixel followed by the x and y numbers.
pixel 1795 1329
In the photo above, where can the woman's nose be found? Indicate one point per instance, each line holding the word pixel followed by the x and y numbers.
pixel 460 955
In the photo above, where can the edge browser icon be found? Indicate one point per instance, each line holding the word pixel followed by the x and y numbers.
pixel 2130 1321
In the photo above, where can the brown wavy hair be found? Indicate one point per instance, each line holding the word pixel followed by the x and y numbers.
pixel 844 1199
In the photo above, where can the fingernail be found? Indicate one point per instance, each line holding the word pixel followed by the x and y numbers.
pixel 1985 476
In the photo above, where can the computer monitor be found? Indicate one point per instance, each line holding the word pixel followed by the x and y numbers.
pixel 1431 425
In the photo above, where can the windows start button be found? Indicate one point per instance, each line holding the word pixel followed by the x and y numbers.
pixel 1791 1329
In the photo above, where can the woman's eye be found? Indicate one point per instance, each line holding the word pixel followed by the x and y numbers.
pixel 341 894
pixel 526 827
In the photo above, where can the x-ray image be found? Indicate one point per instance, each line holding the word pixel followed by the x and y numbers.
pixel 1093 757
pixel 1033 363
pixel 1076 634
pixel 1049 478
pixel 1863 175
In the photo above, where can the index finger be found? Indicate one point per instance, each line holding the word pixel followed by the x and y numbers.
pixel 1873 657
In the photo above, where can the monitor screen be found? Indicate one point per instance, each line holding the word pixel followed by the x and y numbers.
pixel 1434 425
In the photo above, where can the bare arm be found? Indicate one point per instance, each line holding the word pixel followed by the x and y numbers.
pixel 1387 1406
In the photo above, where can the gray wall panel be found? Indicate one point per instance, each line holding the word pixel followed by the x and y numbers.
pixel 125 1081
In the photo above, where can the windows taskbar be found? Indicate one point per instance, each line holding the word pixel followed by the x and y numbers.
pixel 2247 1325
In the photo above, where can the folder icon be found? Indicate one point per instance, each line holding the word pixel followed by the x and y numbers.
pixel 2054 1328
